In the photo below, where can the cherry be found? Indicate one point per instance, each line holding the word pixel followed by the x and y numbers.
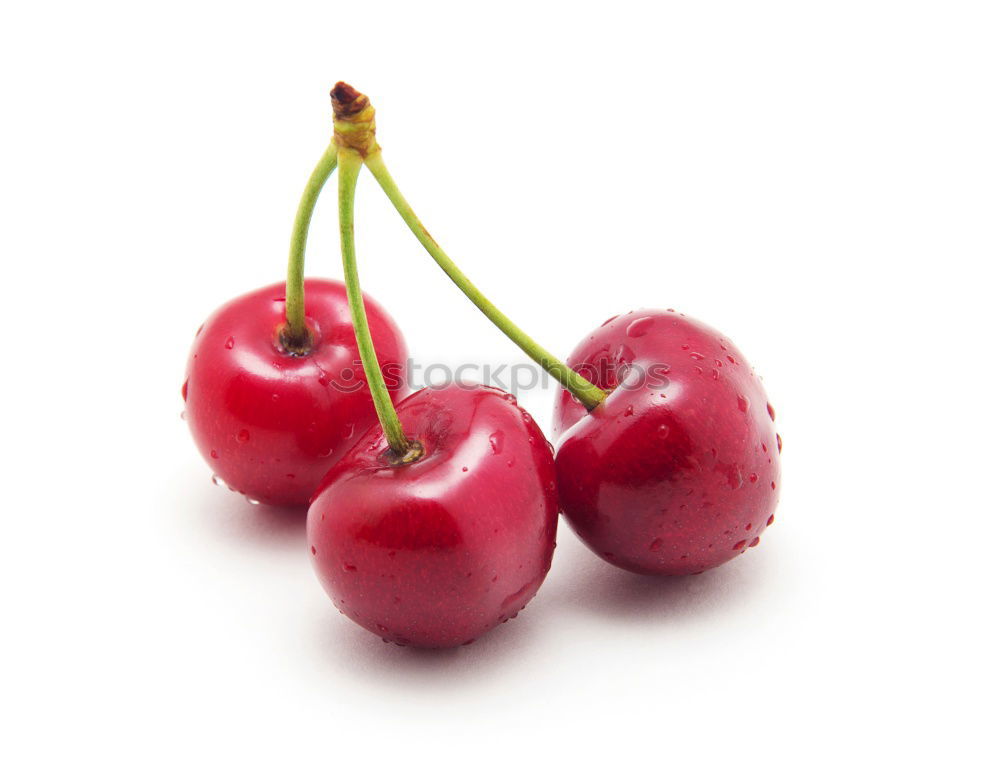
pixel 270 422
pixel 677 470
pixel 437 551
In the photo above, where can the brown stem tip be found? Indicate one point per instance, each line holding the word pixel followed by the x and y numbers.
pixel 347 101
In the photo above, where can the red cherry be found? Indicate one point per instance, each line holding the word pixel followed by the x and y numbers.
pixel 436 552
pixel 270 423
pixel 677 470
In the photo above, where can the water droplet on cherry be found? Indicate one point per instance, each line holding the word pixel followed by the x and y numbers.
pixel 230 343
pixel 496 441
pixel 639 327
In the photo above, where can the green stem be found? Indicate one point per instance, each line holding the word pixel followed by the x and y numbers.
pixel 588 394
pixel 350 167
pixel 296 335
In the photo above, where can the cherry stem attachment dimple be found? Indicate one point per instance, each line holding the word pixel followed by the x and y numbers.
pixel 587 393
pixel 295 335
pixel 350 166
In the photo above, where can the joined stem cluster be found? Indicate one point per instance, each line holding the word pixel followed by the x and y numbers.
pixel 352 147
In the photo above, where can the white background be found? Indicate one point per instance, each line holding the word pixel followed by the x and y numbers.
pixel 817 180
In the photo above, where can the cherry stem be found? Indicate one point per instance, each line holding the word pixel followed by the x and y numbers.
pixel 295 337
pixel 350 166
pixel 588 394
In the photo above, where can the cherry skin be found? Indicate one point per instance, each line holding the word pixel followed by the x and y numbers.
pixel 677 470
pixel 268 422
pixel 435 552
